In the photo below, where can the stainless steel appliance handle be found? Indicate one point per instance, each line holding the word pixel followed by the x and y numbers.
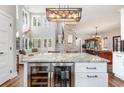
pixel 52 79
pixel 48 79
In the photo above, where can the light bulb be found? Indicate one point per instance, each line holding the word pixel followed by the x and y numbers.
pixel 75 16
pixel 63 15
pixel 51 15
pixel 69 16
pixel 57 16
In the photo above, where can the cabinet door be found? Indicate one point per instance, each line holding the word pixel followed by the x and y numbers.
pixel 5 59
pixel 4 63
pixel 118 64
pixel 62 75
pixel 91 67
pixel 116 43
pixel 91 79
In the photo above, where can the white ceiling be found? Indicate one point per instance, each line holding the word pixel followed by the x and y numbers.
pixel 103 16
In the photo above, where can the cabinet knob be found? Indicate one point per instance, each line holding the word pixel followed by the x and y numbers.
pixel 1 53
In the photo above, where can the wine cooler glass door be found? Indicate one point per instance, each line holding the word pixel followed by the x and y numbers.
pixel 62 75
pixel 39 75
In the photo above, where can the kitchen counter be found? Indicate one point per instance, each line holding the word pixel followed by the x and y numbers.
pixel 63 57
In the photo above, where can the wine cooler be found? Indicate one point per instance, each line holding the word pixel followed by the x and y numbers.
pixel 51 75
pixel 39 75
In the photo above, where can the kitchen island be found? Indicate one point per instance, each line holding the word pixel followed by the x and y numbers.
pixel 65 70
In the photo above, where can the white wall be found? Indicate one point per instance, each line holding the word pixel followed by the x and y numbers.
pixel 20 27
pixel 110 33
pixel 42 32
pixel 45 31
pixel 11 10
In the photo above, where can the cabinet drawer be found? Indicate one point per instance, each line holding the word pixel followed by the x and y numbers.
pixel 91 80
pixel 118 57
pixel 91 67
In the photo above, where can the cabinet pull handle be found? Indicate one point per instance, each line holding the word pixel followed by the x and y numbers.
pixel 52 79
pixel 48 79
pixel 90 67
pixel 118 56
pixel 1 53
pixel 94 76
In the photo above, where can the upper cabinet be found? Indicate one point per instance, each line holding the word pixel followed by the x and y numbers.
pixel 118 44
pixel 122 24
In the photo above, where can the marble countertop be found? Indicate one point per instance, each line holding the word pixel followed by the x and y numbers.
pixel 63 57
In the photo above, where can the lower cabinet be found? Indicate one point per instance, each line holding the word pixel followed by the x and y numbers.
pixel 91 79
pixel 92 75
pixel 118 65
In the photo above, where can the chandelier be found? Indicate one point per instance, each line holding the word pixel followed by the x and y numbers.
pixel 96 34
pixel 64 14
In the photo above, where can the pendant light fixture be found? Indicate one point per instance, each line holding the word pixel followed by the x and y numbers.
pixel 96 34
pixel 64 14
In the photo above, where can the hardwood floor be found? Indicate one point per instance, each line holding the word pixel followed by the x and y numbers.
pixel 18 81
pixel 115 82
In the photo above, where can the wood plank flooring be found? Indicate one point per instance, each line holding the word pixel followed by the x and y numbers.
pixel 18 81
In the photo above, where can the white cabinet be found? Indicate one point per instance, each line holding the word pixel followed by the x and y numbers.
pixel 91 79
pixel 118 64
pixel 122 24
pixel 90 67
pixel 91 75
pixel 6 48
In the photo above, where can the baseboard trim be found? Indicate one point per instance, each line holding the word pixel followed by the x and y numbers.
pixel 13 75
pixel 120 77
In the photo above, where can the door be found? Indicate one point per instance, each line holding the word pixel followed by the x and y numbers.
pixel 62 75
pixel 39 75
pixel 4 48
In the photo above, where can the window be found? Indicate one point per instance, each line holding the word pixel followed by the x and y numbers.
pixel 45 43
pixel 35 43
pixel 39 43
pixel 25 20
pixel 70 38
pixel 49 43
pixel 105 42
pixel 36 21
